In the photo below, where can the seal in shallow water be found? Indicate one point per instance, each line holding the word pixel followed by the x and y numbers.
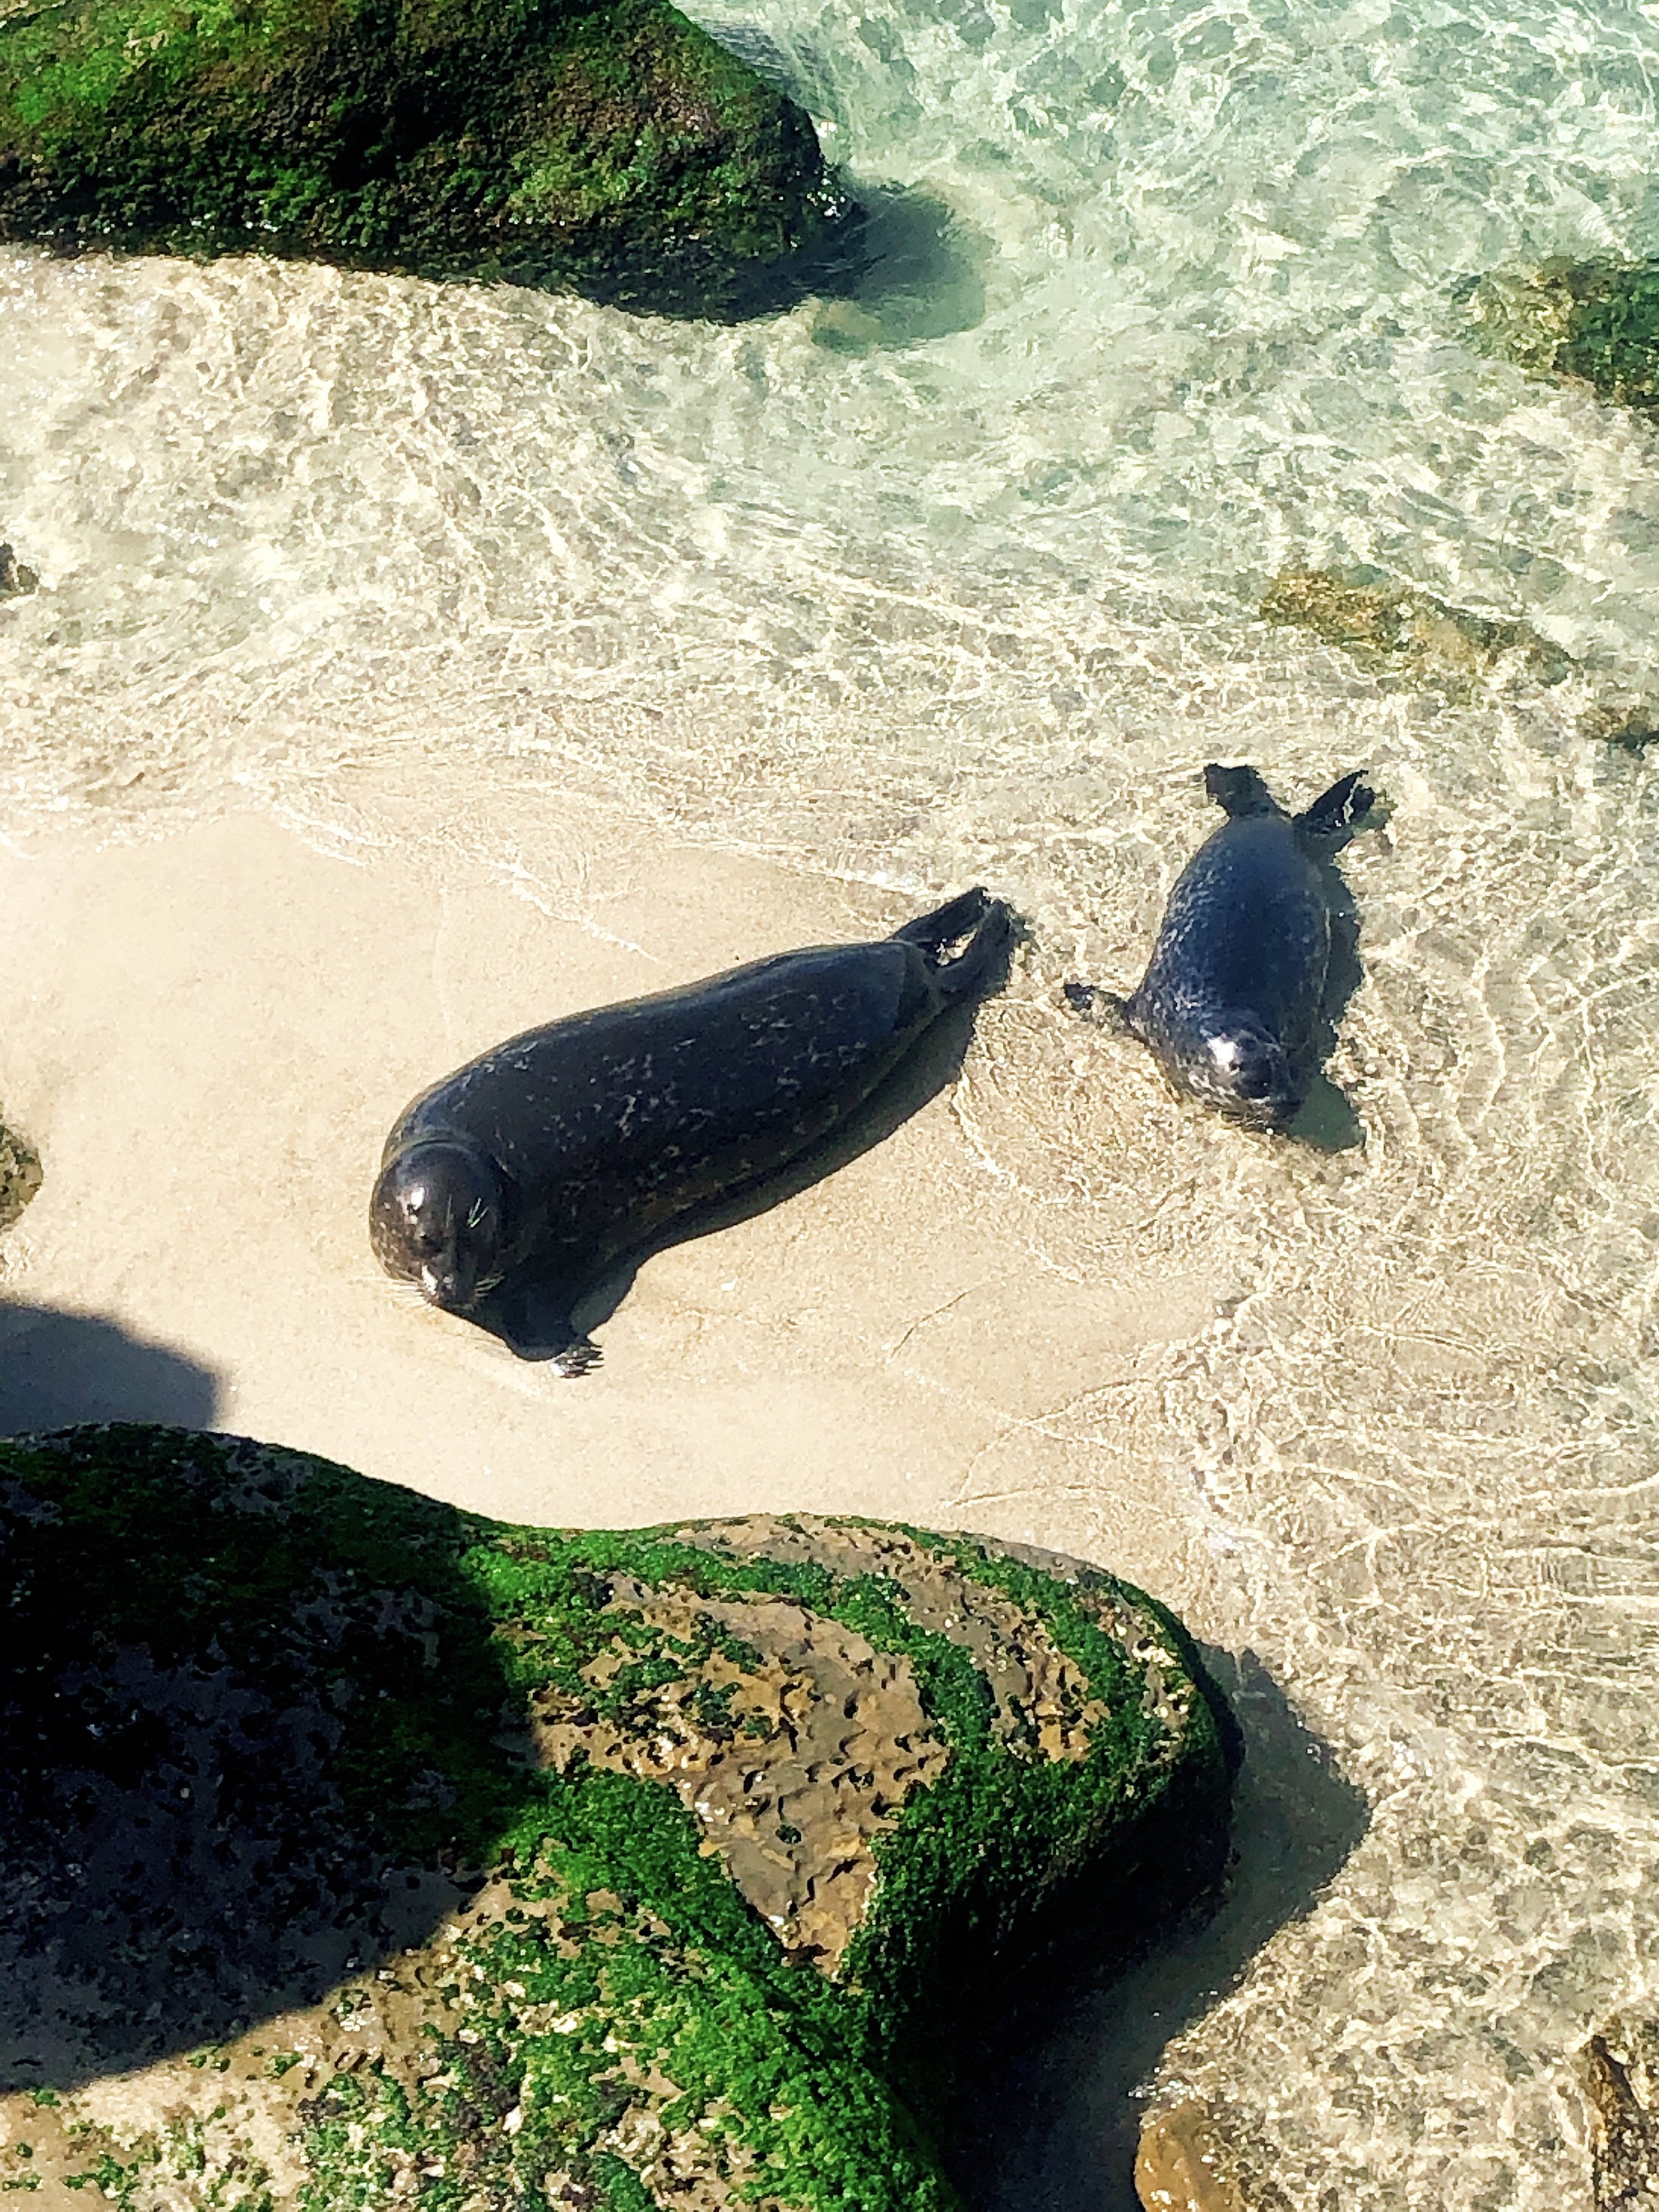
pixel 510 1187
pixel 1231 1000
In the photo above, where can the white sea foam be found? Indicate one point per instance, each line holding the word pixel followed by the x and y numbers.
pixel 956 579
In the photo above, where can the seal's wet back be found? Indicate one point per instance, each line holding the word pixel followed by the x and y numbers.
pixel 508 1188
pixel 1231 1000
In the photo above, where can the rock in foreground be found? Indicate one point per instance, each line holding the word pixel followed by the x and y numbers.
pixel 396 1856
pixel 615 149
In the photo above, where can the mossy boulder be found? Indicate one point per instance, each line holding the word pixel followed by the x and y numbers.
pixel 614 149
pixel 1595 322
pixel 1397 632
pixel 362 1853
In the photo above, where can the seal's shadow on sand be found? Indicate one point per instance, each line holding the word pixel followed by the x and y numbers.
pixel 934 1064
pixel 57 1367
pixel 1049 2120
pixel 1326 1119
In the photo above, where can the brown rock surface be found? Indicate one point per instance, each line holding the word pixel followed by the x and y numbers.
pixel 1181 2165
pixel 1397 630
pixel 1620 2068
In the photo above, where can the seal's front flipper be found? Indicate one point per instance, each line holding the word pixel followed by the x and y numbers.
pixel 1239 792
pixel 579 1357
pixel 1103 1008
pixel 534 1321
pixel 1338 812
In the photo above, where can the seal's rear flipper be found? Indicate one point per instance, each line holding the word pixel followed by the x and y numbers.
pixel 1103 1008
pixel 1336 813
pixel 982 965
pixel 933 932
pixel 1239 792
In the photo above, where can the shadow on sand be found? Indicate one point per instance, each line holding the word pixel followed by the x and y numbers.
pixel 57 1367
pixel 927 1069
pixel 932 1067
pixel 1327 1120
pixel 1048 2118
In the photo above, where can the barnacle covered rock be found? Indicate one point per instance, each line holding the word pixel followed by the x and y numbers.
pixel 363 1852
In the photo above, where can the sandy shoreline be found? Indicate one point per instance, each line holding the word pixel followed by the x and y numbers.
pixel 206 1036
pixel 1312 1402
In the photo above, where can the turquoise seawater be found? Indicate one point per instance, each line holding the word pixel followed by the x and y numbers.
pixel 956 579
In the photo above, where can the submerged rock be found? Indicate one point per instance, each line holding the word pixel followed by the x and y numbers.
pixel 1596 322
pixel 20 1176
pixel 1396 630
pixel 391 1855
pixel 1202 2157
pixel 614 149
pixel 1182 2163
pixel 1627 722
pixel 14 578
pixel 1620 2069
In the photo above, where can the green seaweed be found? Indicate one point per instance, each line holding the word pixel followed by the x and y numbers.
pixel 1596 322
pixel 1612 332
pixel 613 147
pixel 628 1953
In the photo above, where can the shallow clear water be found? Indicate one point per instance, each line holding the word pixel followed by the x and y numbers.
pixel 956 579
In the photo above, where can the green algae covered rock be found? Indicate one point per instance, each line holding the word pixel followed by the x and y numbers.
pixel 615 147
pixel 1596 322
pixel 363 1853
pixel 1396 631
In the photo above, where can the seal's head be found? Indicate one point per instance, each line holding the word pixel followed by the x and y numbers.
pixel 438 1219
pixel 1242 1069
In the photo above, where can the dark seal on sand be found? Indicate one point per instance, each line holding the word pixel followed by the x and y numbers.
pixel 507 1188
pixel 1230 1005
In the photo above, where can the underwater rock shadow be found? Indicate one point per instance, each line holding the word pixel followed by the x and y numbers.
pixel 239 1759
pixel 910 271
pixel 1049 2119
pixel 899 268
pixel 58 1366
